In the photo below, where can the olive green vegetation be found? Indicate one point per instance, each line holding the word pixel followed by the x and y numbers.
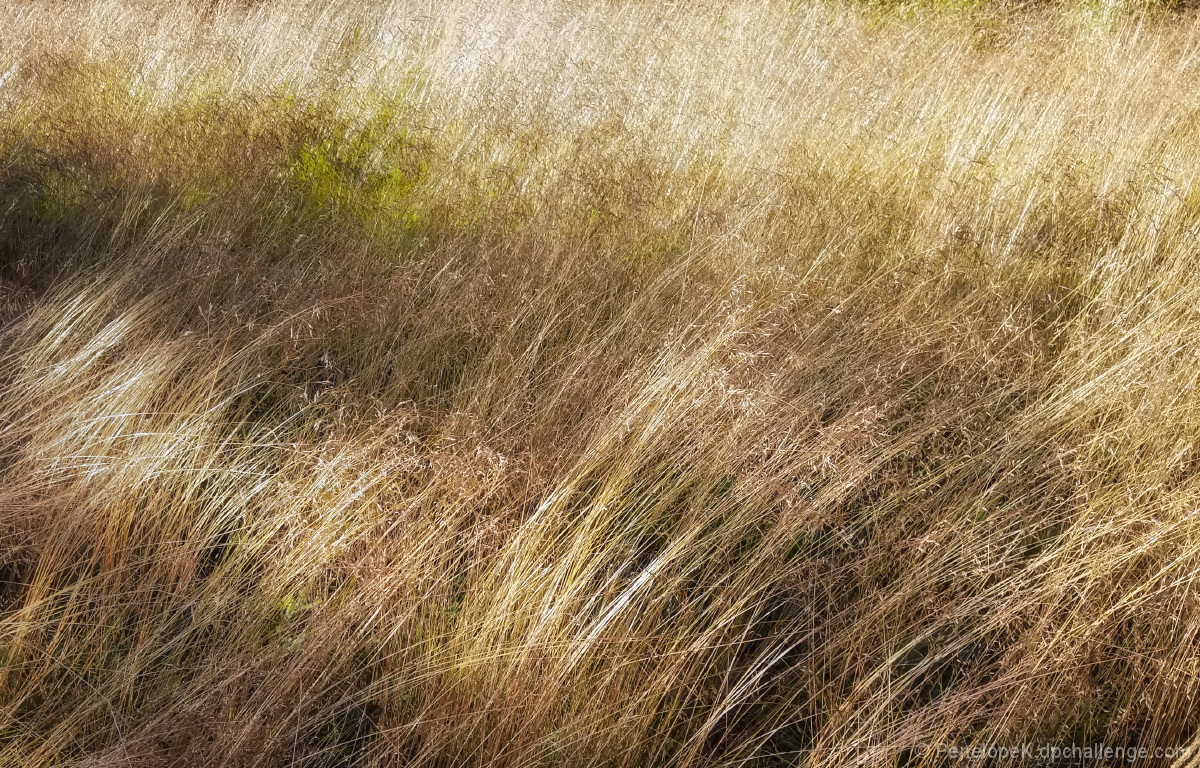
pixel 568 382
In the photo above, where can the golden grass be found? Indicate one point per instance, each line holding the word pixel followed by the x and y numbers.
pixel 559 382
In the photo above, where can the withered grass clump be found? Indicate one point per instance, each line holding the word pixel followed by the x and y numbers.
pixel 563 383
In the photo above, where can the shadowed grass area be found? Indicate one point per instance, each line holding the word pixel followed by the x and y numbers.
pixel 595 383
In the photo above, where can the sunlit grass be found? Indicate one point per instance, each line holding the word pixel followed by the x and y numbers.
pixel 586 383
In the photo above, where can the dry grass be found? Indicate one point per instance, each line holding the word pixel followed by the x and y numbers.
pixel 571 382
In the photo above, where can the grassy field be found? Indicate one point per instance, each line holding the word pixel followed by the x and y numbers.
pixel 596 382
